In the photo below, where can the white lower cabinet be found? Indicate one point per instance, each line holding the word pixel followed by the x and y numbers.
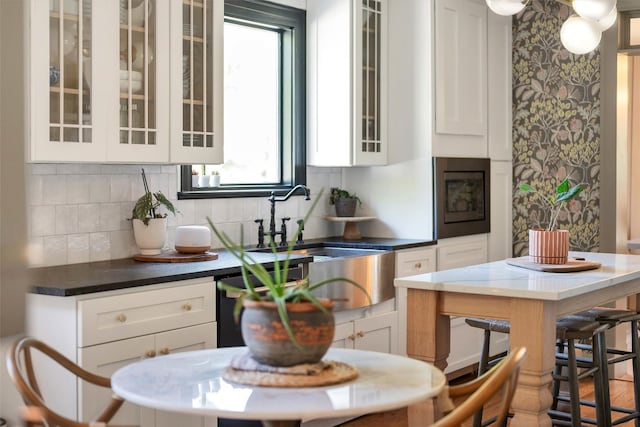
pixel 374 333
pixel 107 330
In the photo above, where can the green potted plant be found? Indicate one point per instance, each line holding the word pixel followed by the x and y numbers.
pixel 283 323
pixel 551 246
pixel 149 222
pixel 344 201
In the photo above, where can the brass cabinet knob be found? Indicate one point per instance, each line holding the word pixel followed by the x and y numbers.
pixel 351 337
pixel 121 318
pixel 164 351
pixel 186 306
pixel 151 353
pixel 360 334
pixel 418 265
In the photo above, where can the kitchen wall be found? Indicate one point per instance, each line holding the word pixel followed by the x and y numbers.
pixel 78 212
pixel 556 128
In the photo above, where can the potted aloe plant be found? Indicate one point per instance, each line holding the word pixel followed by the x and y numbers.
pixel 283 324
pixel 149 222
pixel 551 246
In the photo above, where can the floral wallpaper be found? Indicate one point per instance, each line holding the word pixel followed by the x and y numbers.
pixel 556 127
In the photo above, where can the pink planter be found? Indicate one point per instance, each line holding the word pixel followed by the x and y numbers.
pixel 549 247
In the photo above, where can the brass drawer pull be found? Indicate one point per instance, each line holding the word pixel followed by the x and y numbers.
pixel 418 265
pixel 151 353
pixel 352 337
pixel 121 318
pixel 164 351
pixel 360 334
pixel 186 306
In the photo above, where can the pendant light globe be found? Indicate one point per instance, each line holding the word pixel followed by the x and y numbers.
pixel 506 7
pixel 593 9
pixel 580 35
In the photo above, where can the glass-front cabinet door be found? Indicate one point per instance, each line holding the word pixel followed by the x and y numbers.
pixel 61 101
pixel 197 93
pixel 142 76
pixel 370 139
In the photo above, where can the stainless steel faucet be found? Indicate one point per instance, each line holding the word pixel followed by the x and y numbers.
pixel 272 218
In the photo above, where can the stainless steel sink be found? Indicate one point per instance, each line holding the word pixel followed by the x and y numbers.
pixel 373 269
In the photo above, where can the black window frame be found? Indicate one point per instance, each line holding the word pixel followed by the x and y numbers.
pixel 293 166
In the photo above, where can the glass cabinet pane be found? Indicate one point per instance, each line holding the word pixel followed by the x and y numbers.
pixel 371 67
pixel 70 71
pixel 137 72
pixel 197 73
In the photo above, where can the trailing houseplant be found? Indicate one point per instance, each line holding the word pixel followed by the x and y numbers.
pixel 150 221
pixel 290 309
pixel 551 246
pixel 344 201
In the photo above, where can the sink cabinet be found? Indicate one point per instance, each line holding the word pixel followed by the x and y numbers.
pixel 105 331
pixel 134 81
pixel 376 331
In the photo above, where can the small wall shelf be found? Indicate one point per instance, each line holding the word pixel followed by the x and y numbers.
pixel 351 229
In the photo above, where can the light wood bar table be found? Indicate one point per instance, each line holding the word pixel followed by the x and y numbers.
pixel 530 300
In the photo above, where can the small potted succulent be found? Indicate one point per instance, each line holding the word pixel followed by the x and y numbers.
pixel 149 223
pixel 283 323
pixel 344 201
pixel 551 246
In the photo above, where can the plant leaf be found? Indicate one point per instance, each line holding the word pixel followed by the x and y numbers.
pixel 570 194
pixel 165 202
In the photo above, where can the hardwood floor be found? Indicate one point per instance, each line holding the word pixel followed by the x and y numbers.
pixel 621 391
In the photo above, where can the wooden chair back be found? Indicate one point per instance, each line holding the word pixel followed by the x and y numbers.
pixel 21 371
pixel 503 377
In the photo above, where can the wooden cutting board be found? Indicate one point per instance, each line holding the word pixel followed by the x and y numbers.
pixel 571 265
pixel 174 256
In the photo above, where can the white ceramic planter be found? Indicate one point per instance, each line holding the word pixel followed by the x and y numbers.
pixel 214 181
pixel 203 181
pixel 150 238
pixel 195 180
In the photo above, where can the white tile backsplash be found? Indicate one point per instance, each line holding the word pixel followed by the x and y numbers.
pixel 79 212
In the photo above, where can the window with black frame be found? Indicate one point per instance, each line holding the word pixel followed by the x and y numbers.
pixel 264 105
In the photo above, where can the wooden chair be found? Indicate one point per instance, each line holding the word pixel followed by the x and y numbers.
pixel 21 371
pixel 501 378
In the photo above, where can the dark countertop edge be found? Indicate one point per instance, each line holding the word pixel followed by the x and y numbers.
pixel 169 272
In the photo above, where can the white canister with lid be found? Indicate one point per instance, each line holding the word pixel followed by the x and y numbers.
pixel 192 239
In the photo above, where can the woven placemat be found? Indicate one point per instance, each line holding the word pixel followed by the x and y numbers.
pixel 333 373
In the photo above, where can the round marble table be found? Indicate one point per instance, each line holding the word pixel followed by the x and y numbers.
pixel 191 382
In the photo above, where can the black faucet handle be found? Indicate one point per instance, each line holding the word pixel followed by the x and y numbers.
pixel 285 219
pixel 300 223
pixel 260 233
pixel 283 231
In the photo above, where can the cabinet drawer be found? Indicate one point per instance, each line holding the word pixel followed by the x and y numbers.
pixel 129 315
pixel 413 262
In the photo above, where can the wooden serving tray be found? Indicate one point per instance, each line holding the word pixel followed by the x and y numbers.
pixel 571 265
pixel 174 256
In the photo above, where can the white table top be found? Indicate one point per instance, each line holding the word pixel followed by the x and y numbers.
pixel 191 382
pixel 501 279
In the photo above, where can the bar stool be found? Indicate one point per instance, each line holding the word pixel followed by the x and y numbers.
pixel 615 317
pixel 569 330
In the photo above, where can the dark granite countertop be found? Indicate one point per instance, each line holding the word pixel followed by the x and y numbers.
pixel 78 279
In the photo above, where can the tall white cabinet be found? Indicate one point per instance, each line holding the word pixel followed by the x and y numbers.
pixel 105 331
pixel 346 82
pixel 128 81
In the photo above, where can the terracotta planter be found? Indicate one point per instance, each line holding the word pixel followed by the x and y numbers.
pixel 150 238
pixel 549 247
pixel 346 207
pixel 269 342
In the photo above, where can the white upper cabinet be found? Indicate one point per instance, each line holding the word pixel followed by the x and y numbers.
pixel 346 82
pixel 197 93
pixel 116 72
pixel 460 78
